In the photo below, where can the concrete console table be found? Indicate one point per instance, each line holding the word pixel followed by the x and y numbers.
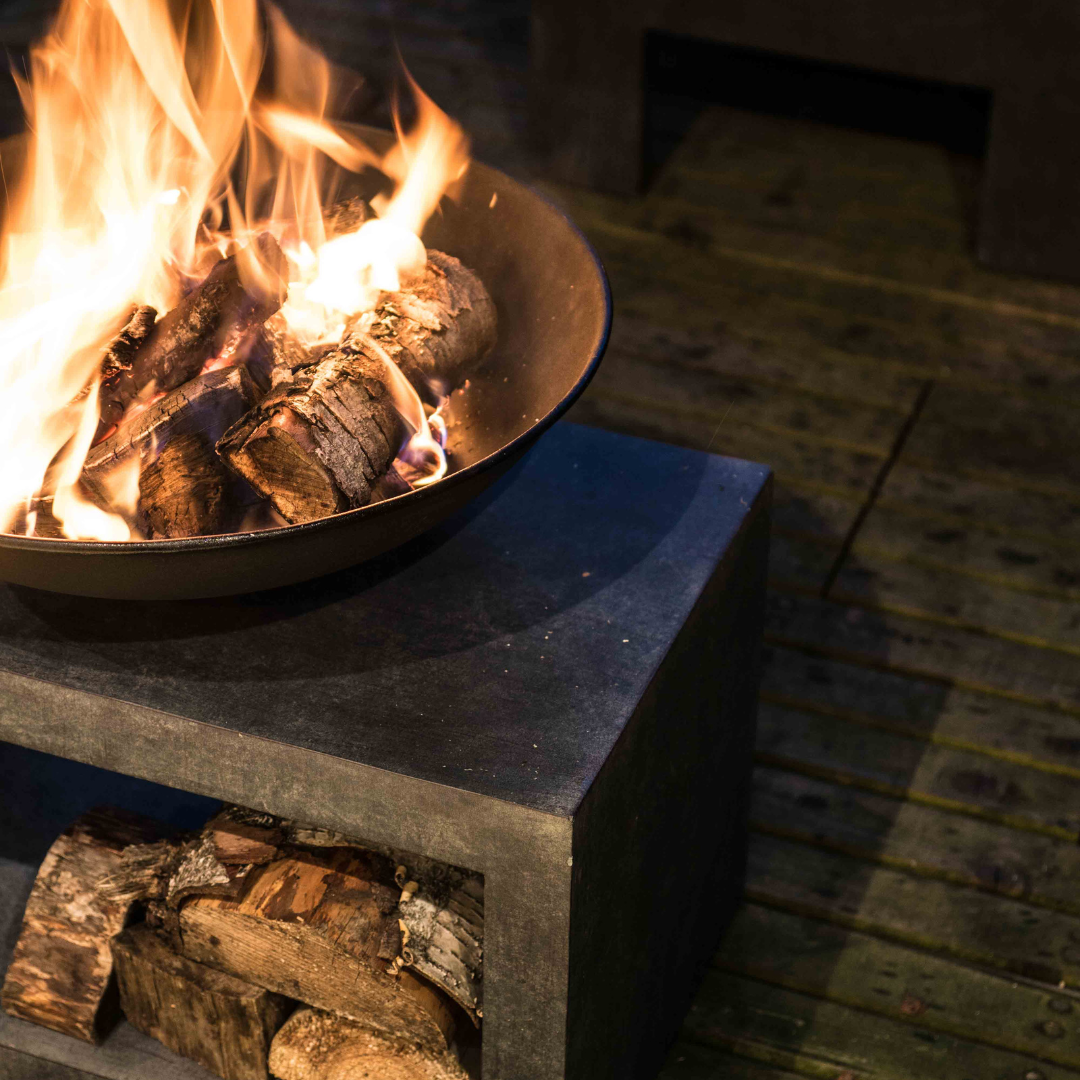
pixel 556 689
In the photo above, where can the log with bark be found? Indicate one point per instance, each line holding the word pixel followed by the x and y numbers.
pixel 321 928
pixel 61 972
pixel 440 907
pixel 215 1019
pixel 439 328
pixel 326 435
pixel 184 489
pixel 238 294
pixel 320 442
pixel 317 1045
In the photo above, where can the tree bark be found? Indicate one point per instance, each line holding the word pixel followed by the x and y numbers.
pixel 215 1019
pixel 315 1045
pixel 61 973
pixel 440 329
pixel 184 489
pixel 240 292
pixel 322 928
pixel 319 443
pixel 443 920
pixel 117 378
pixel 440 907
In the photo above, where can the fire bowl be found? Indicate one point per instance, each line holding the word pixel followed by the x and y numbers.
pixel 554 312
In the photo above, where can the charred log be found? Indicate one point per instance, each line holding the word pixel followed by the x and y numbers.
pixel 240 292
pixel 215 1019
pixel 347 216
pixel 320 442
pixel 322 929
pixel 439 330
pixel 276 355
pixel 184 490
pixel 316 1045
pixel 118 382
pixel 61 973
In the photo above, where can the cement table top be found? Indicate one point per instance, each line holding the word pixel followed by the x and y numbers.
pixel 501 654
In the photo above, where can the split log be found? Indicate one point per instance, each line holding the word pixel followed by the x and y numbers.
pixel 184 490
pixel 319 443
pixel 61 972
pixel 215 1019
pixel 316 1045
pixel 321 928
pixel 438 330
pixel 240 292
pixel 440 907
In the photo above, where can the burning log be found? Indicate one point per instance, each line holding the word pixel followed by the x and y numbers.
pixel 438 330
pixel 276 355
pixel 316 1045
pixel 240 292
pixel 184 490
pixel 217 1020
pixel 322 928
pixel 61 973
pixel 327 434
pixel 118 380
pixel 319 443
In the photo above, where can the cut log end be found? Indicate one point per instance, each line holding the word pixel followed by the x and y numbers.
pixel 317 1045
pixel 215 1019
pixel 320 443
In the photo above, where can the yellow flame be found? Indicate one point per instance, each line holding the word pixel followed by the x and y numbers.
pixel 137 112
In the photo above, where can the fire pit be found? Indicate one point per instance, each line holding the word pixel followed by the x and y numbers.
pixel 552 307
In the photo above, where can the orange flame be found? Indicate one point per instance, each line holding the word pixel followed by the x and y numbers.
pixel 138 113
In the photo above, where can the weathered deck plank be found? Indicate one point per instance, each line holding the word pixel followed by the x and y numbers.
pixel 1041 738
pixel 839 750
pixel 938 916
pixel 879 583
pixel 1014 562
pixel 918 839
pixel 887 979
pixel 954 655
pixel 820 1038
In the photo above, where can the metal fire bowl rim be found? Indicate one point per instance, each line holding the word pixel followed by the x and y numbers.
pixel 374 510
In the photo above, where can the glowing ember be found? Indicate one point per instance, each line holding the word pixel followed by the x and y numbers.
pixel 123 193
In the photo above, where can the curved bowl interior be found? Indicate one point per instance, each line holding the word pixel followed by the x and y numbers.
pixel 554 311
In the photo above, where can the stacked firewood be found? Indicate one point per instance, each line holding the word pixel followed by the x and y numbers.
pixel 227 411
pixel 256 946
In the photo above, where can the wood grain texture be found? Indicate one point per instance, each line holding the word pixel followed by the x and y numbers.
pixel 215 1019
pixel 983 928
pixel 323 931
pixel 953 655
pixel 918 839
pixel 950 716
pixel 817 744
pixel 316 1045
pixel 61 971
pixel 932 993
pixel 819 1038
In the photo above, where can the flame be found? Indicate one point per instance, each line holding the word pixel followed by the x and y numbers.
pixel 141 115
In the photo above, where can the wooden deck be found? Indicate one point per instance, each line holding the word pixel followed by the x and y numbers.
pixel 805 296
